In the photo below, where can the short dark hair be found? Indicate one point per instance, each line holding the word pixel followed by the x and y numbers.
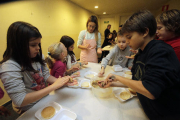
pixel 108 25
pixel 171 20
pixel 140 22
pixel 18 37
pixel 67 41
pixel 120 25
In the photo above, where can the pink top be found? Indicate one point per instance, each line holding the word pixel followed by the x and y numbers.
pixel 1 93
pixel 58 69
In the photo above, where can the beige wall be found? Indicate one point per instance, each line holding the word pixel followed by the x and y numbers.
pixel 173 4
pixel 53 18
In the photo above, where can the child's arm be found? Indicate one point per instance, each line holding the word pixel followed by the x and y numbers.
pixel 37 95
pixel 101 73
pixel 133 84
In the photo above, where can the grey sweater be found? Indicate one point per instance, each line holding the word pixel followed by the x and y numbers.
pixel 116 56
pixel 18 83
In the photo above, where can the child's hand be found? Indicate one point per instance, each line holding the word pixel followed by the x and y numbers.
pixel 110 78
pixel 102 84
pixel 77 74
pixel 61 81
pixel 101 73
pixel 75 67
pixel 4 111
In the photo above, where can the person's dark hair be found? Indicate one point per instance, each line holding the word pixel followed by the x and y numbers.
pixel 114 34
pixel 95 20
pixel 67 41
pixel 18 36
pixel 119 33
pixel 140 22
pixel 171 20
pixel 120 25
pixel 108 25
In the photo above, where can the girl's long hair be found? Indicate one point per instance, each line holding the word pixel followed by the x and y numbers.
pixel 18 36
pixel 95 20
pixel 67 41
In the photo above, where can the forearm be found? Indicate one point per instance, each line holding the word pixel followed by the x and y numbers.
pixel 135 85
pixel 82 47
pixel 37 95
pixel 51 79
pixel 68 72
pixel 117 84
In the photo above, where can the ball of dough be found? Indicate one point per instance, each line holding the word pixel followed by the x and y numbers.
pixel 125 95
pixel 48 112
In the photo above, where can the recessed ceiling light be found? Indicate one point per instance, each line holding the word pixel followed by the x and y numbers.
pixel 96 7
pixel 104 12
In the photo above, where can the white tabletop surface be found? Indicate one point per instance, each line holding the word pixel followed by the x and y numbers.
pixel 87 106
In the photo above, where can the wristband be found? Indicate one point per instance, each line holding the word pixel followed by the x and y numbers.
pixel 79 63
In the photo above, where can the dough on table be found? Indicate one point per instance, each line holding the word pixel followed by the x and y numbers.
pixel 90 75
pixel 125 95
pixel 48 112
pixel 128 72
pixel 85 84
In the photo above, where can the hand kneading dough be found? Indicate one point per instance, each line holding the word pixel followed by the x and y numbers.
pixel 90 75
pixel 85 84
pixel 125 95
pixel 48 112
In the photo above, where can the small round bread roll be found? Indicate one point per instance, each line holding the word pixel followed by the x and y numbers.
pixel 48 112
pixel 85 84
pixel 132 91
pixel 125 95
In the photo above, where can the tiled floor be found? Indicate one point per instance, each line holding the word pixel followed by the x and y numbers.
pixel 13 116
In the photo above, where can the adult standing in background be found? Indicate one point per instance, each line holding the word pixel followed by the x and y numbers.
pixel 107 31
pixel 89 40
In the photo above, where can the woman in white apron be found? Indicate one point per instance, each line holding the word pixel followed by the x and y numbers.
pixel 89 41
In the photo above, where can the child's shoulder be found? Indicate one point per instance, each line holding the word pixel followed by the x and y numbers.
pixel 10 65
pixel 158 46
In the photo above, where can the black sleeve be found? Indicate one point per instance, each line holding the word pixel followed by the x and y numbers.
pixel 106 32
pixel 161 71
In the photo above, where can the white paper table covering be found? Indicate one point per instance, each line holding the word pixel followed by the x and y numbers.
pixel 87 106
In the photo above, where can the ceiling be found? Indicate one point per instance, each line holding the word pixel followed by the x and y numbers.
pixel 119 6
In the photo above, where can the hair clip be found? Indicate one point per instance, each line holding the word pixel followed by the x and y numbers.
pixel 49 53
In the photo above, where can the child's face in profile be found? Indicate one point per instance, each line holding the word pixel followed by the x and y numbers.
pixel 135 40
pixel 121 42
pixel 71 48
pixel 164 34
pixel 34 47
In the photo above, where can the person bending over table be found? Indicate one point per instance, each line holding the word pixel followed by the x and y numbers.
pixel 156 69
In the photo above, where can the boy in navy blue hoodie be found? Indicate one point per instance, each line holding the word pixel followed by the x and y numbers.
pixel 156 69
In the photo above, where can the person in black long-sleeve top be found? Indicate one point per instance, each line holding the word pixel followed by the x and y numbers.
pixel 156 69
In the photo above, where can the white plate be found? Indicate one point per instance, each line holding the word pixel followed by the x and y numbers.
pixel 60 113
pixel 85 80
pixel 66 115
pixel 89 73
pixel 118 91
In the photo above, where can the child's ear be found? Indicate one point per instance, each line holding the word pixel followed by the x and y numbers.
pixel 146 33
